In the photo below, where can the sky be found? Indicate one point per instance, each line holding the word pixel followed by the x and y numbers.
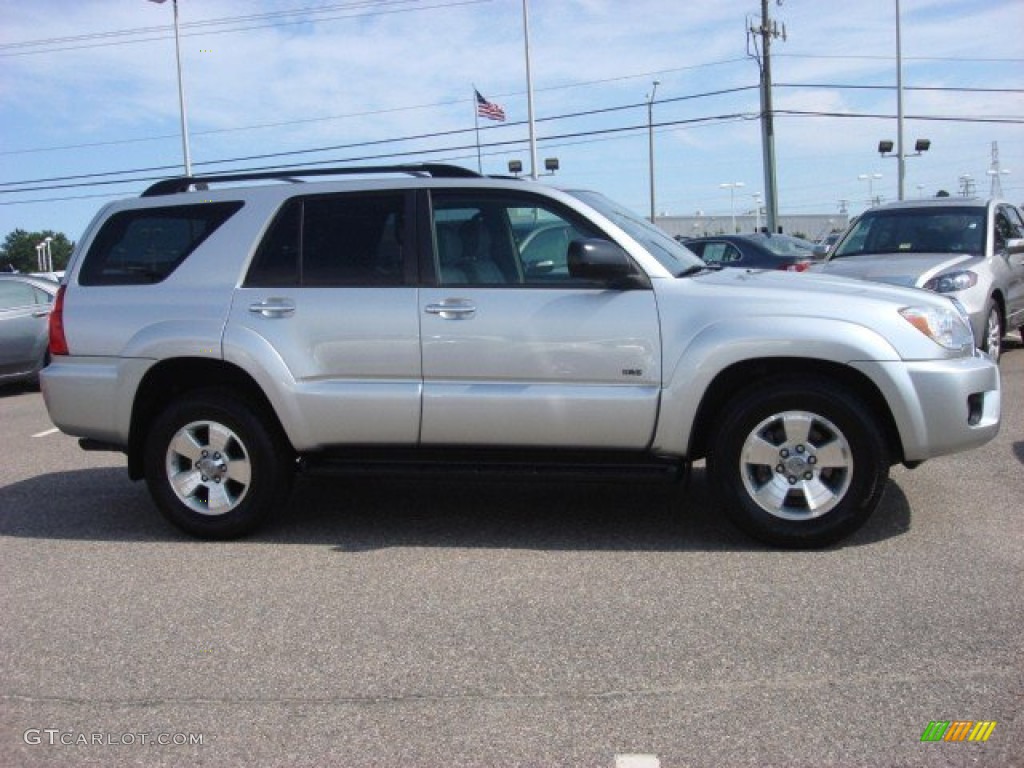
pixel 89 96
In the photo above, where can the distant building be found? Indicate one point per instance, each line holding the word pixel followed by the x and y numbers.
pixel 811 226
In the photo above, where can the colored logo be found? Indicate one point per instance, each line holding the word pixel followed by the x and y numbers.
pixel 958 730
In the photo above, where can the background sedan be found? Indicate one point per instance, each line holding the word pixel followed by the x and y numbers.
pixel 756 251
pixel 24 319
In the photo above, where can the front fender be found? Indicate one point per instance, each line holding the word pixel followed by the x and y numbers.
pixel 693 364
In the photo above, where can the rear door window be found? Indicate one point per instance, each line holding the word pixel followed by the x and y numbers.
pixel 147 244
pixel 14 294
pixel 335 241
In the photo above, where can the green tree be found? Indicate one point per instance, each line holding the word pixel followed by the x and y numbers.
pixel 19 250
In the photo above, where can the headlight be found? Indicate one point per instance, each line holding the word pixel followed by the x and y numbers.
pixel 945 327
pixel 952 281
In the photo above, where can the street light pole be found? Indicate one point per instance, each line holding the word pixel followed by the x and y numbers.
pixel 870 179
pixel 181 96
pixel 901 160
pixel 181 92
pixel 732 186
pixel 650 140
pixel 529 93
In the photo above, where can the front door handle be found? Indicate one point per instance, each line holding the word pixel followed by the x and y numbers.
pixel 273 307
pixel 452 309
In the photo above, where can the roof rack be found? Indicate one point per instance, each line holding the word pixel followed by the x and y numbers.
pixel 182 183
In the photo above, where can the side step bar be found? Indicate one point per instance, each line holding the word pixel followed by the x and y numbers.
pixel 541 464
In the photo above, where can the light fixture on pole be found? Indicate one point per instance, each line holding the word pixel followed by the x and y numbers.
pixel 732 187
pixel 885 148
pixel 871 178
pixel 650 140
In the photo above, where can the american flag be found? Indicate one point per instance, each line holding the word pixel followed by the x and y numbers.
pixel 488 109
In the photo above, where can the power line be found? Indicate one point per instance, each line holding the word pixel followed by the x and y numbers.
pixel 548 140
pixel 373 142
pixel 40 47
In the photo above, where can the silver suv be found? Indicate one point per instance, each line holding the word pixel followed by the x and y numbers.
pixel 969 249
pixel 225 337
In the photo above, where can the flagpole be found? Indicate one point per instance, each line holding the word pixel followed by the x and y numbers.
pixel 529 95
pixel 181 95
pixel 476 126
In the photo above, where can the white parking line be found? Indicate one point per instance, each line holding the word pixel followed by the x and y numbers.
pixel 47 432
pixel 637 761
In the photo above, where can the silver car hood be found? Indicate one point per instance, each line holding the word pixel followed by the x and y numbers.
pixel 808 287
pixel 909 269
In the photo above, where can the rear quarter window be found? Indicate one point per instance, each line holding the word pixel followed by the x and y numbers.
pixel 144 246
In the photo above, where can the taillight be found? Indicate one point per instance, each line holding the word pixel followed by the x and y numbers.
pixel 799 266
pixel 58 341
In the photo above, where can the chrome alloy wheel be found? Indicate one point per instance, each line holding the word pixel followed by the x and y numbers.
pixel 796 465
pixel 208 468
pixel 993 334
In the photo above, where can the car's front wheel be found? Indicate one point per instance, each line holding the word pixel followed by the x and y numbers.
pixel 214 467
pixel 992 342
pixel 798 462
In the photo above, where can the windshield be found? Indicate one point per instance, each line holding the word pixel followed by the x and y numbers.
pixel 669 252
pixel 920 230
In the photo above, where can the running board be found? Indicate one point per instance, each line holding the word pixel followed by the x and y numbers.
pixel 580 465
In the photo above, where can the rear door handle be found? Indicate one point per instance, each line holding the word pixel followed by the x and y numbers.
pixel 452 309
pixel 273 307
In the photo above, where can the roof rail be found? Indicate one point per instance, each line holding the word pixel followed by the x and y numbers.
pixel 182 183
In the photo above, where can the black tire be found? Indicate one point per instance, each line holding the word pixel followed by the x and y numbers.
pixel 798 462
pixel 231 467
pixel 992 338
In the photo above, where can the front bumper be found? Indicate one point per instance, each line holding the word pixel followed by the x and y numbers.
pixel 940 406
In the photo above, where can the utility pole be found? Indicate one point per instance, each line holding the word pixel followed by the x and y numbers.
pixel 768 31
pixel 996 190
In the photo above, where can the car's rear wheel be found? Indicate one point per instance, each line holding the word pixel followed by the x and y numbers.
pixel 798 462
pixel 214 467
pixel 992 343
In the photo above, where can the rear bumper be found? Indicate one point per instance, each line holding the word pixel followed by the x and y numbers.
pixel 92 396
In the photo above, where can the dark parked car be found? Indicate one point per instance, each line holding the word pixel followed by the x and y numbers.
pixel 24 310
pixel 756 251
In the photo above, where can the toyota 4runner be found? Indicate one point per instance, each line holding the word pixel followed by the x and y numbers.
pixel 228 331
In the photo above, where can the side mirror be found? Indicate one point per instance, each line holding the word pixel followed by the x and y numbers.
pixel 596 259
pixel 1015 245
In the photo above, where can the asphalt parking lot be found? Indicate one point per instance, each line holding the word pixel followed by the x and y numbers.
pixel 442 622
